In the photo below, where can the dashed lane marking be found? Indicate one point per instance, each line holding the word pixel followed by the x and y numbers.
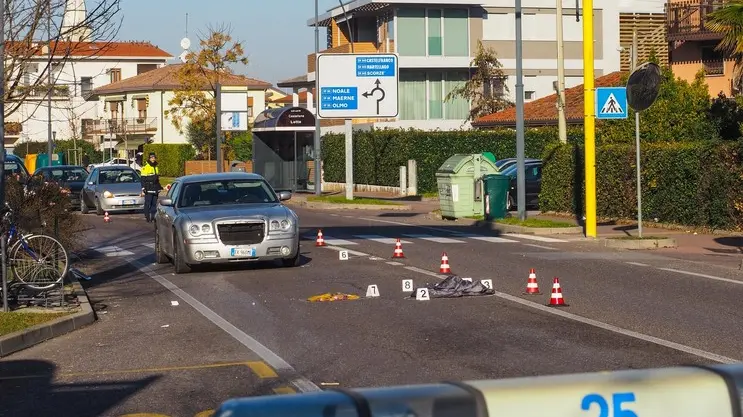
pixel 432 238
pixel 695 274
pixel 262 370
pixel 636 264
pixel 537 238
pixel 423 271
pixel 539 246
pixel 382 239
pixel 351 252
pixel 393 263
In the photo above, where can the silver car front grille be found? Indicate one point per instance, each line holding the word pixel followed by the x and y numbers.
pixel 241 233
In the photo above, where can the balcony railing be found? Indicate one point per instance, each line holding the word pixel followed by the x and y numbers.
pixel 358 47
pixel 685 20
pixel 128 126
pixel 713 67
pixel 37 92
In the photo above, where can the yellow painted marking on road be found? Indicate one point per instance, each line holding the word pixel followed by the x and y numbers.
pixel 262 370
pixel 284 390
pixel 132 371
pixel 206 413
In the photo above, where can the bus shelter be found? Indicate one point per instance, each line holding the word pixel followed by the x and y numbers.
pixel 283 146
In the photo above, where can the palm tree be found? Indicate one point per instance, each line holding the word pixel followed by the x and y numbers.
pixel 728 21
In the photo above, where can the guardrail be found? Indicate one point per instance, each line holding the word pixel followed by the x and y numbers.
pixel 690 391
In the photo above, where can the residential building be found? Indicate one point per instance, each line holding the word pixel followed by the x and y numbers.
pixel 78 66
pixel 134 110
pixel 274 97
pixel 436 41
pixel 692 45
pixel 543 112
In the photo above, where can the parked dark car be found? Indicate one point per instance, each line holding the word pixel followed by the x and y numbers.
pixel 533 171
pixel 71 177
pixel 504 164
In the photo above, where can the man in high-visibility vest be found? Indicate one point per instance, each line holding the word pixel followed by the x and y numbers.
pixel 150 187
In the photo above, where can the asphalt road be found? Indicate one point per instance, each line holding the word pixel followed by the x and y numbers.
pixel 178 345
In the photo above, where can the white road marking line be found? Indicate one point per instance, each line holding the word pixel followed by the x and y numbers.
pixel 340 242
pixel 375 258
pixel 150 245
pixel 423 271
pixel 637 264
pixel 382 239
pixel 537 238
pixel 538 246
pixel 436 229
pixel 432 238
pixel 491 239
pixel 601 325
pixel 272 359
pixel 393 263
pixel 113 251
pixel 352 252
pixel 336 215
pixel 679 271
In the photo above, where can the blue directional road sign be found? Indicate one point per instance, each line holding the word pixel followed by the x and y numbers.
pixel 339 98
pixel 611 103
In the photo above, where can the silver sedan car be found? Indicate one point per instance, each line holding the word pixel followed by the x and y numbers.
pixel 112 189
pixel 227 217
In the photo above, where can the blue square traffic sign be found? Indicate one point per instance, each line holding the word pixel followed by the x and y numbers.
pixel 375 66
pixel 339 98
pixel 611 103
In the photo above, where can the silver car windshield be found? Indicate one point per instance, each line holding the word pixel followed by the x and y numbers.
pixel 118 176
pixel 214 193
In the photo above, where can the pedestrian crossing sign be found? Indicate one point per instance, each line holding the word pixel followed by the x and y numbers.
pixel 611 103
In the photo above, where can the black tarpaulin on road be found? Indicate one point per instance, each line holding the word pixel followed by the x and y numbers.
pixel 454 286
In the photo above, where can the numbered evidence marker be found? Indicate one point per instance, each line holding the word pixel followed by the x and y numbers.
pixel 421 294
pixel 487 283
pixel 343 255
pixel 407 285
pixel 372 291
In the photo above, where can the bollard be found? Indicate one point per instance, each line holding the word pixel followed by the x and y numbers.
pixel 403 180
pixel 412 177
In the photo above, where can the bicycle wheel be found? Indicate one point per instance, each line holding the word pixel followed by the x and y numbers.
pixel 39 261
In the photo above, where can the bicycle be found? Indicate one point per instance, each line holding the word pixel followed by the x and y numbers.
pixel 38 261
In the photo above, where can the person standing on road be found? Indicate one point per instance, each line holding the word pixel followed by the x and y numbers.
pixel 150 187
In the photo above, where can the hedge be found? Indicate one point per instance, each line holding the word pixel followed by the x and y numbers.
pixel 378 154
pixel 692 183
pixel 171 158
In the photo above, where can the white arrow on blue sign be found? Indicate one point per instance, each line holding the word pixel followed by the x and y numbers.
pixel 611 103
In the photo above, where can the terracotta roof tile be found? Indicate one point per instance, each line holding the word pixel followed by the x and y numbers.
pixel 302 98
pixel 166 79
pixel 543 111
pixel 92 49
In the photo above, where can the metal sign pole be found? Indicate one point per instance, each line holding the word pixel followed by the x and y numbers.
pixel 349 159
pixel 637 145
pixel 218 123
pixel 318 163
pixel 520 152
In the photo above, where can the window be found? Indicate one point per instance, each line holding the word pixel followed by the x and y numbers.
pixel 529 95
pixel 141 108
pixel 456 108
pixel 226 192
pixel 250 112
pixel 456 32
pixel 86 86
pixel 496 87
pixel 119 176
pixel 435 96
pixel 712 61
pixel 115 74
pixel 411 27
pixel 113 107
pixel 435 45
pixel 412 95
pixel 533 173
pixel 422 95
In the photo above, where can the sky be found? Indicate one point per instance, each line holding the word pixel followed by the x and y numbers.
pixel 274 33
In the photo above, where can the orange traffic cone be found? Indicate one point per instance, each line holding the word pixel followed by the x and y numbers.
pixel 556 299
pixel 532 287
pixel 444 269
pixel 106 218
pixel 320 241
pixel 398 250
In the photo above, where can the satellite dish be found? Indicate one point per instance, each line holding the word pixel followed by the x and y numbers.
pixel 643 86
pixel 185 43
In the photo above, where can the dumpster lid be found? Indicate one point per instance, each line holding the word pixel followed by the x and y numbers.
pixel 455 163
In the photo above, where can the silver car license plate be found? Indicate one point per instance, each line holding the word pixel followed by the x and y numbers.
pixel 239 252
pixel 128 202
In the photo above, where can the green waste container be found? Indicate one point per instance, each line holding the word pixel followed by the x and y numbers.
pixel 460 186
pixel 496 195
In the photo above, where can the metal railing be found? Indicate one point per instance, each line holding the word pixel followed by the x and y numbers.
pixel 686 20
pixel 129 126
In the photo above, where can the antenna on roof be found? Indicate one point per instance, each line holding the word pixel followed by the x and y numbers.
pixel 185 44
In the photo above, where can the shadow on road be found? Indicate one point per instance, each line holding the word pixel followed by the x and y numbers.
pixel 28 389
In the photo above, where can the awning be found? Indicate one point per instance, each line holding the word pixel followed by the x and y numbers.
pixel 285 119
pixel 115 98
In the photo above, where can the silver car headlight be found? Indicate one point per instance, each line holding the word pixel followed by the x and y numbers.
pixel 275 225
pixel 205 229
pixel 286 225
pixel 194 230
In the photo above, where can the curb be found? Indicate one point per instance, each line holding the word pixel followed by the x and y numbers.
pixel 667 242
pixel 507 228
pixel 26 338
pixel 335 206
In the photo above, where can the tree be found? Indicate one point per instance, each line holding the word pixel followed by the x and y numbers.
pixel 201 134
pixel 33 27
pixel 680 113
pixel 728 21
pixel 479 89
pixel 193 101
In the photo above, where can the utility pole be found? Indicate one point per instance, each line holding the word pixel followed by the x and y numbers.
pixel 589 114
pixel 218 123
pixel 316 96
pixel 520 151
pixel 637 144
pixel 562 123
pixel 49 140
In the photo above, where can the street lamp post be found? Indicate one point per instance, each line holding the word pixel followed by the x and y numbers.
pixel 318 164
pixel 520 152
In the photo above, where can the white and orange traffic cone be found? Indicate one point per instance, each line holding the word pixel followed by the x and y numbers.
pixel 556 299
pixel 398 250
pixel 106 218
pixel 320 241
pixel 444 269
pixel 532 287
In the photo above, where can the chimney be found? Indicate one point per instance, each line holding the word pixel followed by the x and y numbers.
pixel 295 100
pixel 310 101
